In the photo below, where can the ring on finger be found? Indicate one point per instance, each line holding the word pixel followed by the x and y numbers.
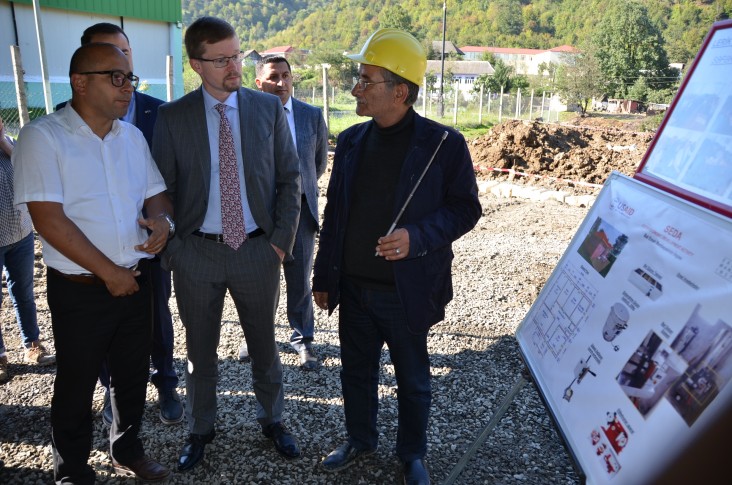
pixel 397 251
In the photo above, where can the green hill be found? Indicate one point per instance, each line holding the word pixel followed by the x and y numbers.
pixel 337 25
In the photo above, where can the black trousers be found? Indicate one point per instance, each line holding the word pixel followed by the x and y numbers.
pixel 89 327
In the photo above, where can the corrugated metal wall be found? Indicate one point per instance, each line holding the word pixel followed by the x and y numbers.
pixel 160 10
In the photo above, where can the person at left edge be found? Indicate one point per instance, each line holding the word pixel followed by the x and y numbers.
pixel 227 157
pixel 142 113
pixel 85 177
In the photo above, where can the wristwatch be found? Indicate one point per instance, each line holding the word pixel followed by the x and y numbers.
pixel 171 225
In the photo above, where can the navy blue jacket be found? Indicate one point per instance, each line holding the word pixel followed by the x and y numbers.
pixel 444 207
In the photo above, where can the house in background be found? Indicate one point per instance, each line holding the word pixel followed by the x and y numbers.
pixel 154 29
pixel 523 61
pixel 450 49
pixel 465 73
pixel 286 51
pixel 251 57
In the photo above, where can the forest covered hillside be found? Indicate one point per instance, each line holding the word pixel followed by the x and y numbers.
pixel 337 25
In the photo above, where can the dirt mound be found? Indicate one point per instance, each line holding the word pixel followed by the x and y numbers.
pixel 573 153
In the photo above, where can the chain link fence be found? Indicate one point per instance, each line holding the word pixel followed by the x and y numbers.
pixel 465 109
pixel 9 106
pixel 461 110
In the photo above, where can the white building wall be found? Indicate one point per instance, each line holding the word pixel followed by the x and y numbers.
pixel 151 42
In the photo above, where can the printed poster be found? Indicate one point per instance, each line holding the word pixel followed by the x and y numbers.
pixel 630 340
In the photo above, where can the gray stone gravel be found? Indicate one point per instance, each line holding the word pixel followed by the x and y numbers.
pixel 498 272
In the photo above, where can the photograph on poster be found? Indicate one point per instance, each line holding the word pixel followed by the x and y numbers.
pixel 671 155
pixel 711 168
pixel 722 124
pixel 706 348
pixel 694 110
pixel 581 370
pixel 725 269
pixel 649 373
pixel 647 284
pixel 605 456
pixel 616 322
pixel 607 441
pixel 602 246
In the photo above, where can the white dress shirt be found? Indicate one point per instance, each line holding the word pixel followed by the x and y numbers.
pixel 291 120
pixel 212 220
pixel 102 183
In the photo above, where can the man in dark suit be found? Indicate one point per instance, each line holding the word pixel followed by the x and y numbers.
pixel 231 169
pixel 142 113
pixel 310 135
pixel 397 294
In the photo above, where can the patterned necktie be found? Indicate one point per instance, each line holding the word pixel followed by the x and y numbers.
pixel 232 218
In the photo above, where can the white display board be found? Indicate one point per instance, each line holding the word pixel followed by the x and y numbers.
pixel 630 339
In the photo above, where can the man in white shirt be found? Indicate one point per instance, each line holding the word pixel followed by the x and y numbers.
pixel 86 177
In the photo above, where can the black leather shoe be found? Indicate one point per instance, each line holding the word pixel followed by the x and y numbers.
pixel 283 440
pixel 415 473
pixel 171 410
pixel 308 359
pixel 343 457
pixel 192 451
pixel 107 415
pixel 143 468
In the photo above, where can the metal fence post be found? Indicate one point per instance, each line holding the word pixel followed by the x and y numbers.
pixel 326 112
pixel 457 93
pixel 22 98
pixel 500 107
pixel 480 107
pixel 169 76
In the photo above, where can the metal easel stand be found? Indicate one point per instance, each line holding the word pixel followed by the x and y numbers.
pixel 520 383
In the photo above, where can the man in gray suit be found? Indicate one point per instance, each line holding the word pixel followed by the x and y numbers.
pixel 310 135
pixel 231 169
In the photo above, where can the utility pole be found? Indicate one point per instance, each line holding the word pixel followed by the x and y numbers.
pixel 42 57
pixel 441 105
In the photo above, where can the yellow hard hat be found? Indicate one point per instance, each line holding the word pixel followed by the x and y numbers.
pixel 395 51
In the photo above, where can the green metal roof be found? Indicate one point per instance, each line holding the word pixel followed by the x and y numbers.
pixel 159 10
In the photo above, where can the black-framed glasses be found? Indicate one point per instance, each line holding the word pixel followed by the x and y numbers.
pixel 364 84
pixel 221 62
pixel 118 78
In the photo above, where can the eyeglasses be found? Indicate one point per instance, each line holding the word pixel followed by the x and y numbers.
pixel 221 62
pixel 364 84
pixel 118 78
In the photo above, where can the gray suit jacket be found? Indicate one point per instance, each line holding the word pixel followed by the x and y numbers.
pixel 182 152
pixel 312 150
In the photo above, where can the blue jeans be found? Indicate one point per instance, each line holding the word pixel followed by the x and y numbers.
pixel 17 260
pixel 368 319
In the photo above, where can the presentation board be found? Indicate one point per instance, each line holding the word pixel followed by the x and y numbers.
pixel 691 154
pixel 629 341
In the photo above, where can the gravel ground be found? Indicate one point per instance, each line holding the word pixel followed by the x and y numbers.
pixel 498 271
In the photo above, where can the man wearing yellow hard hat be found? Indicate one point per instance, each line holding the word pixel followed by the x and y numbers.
pixel 401 191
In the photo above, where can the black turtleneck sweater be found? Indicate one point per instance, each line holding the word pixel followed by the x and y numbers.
pixel 372 205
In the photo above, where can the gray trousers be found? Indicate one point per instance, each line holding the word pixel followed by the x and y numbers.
pixel 203 271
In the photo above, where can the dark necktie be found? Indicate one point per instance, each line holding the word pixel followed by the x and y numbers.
pixel 232 218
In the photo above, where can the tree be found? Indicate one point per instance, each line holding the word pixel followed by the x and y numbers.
pixel 547 75
pixel 628 45
pixel 639 90
pixel 396 17
pixel 342 70
pixel 508 19
pixel 579 79
pixel 501 77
